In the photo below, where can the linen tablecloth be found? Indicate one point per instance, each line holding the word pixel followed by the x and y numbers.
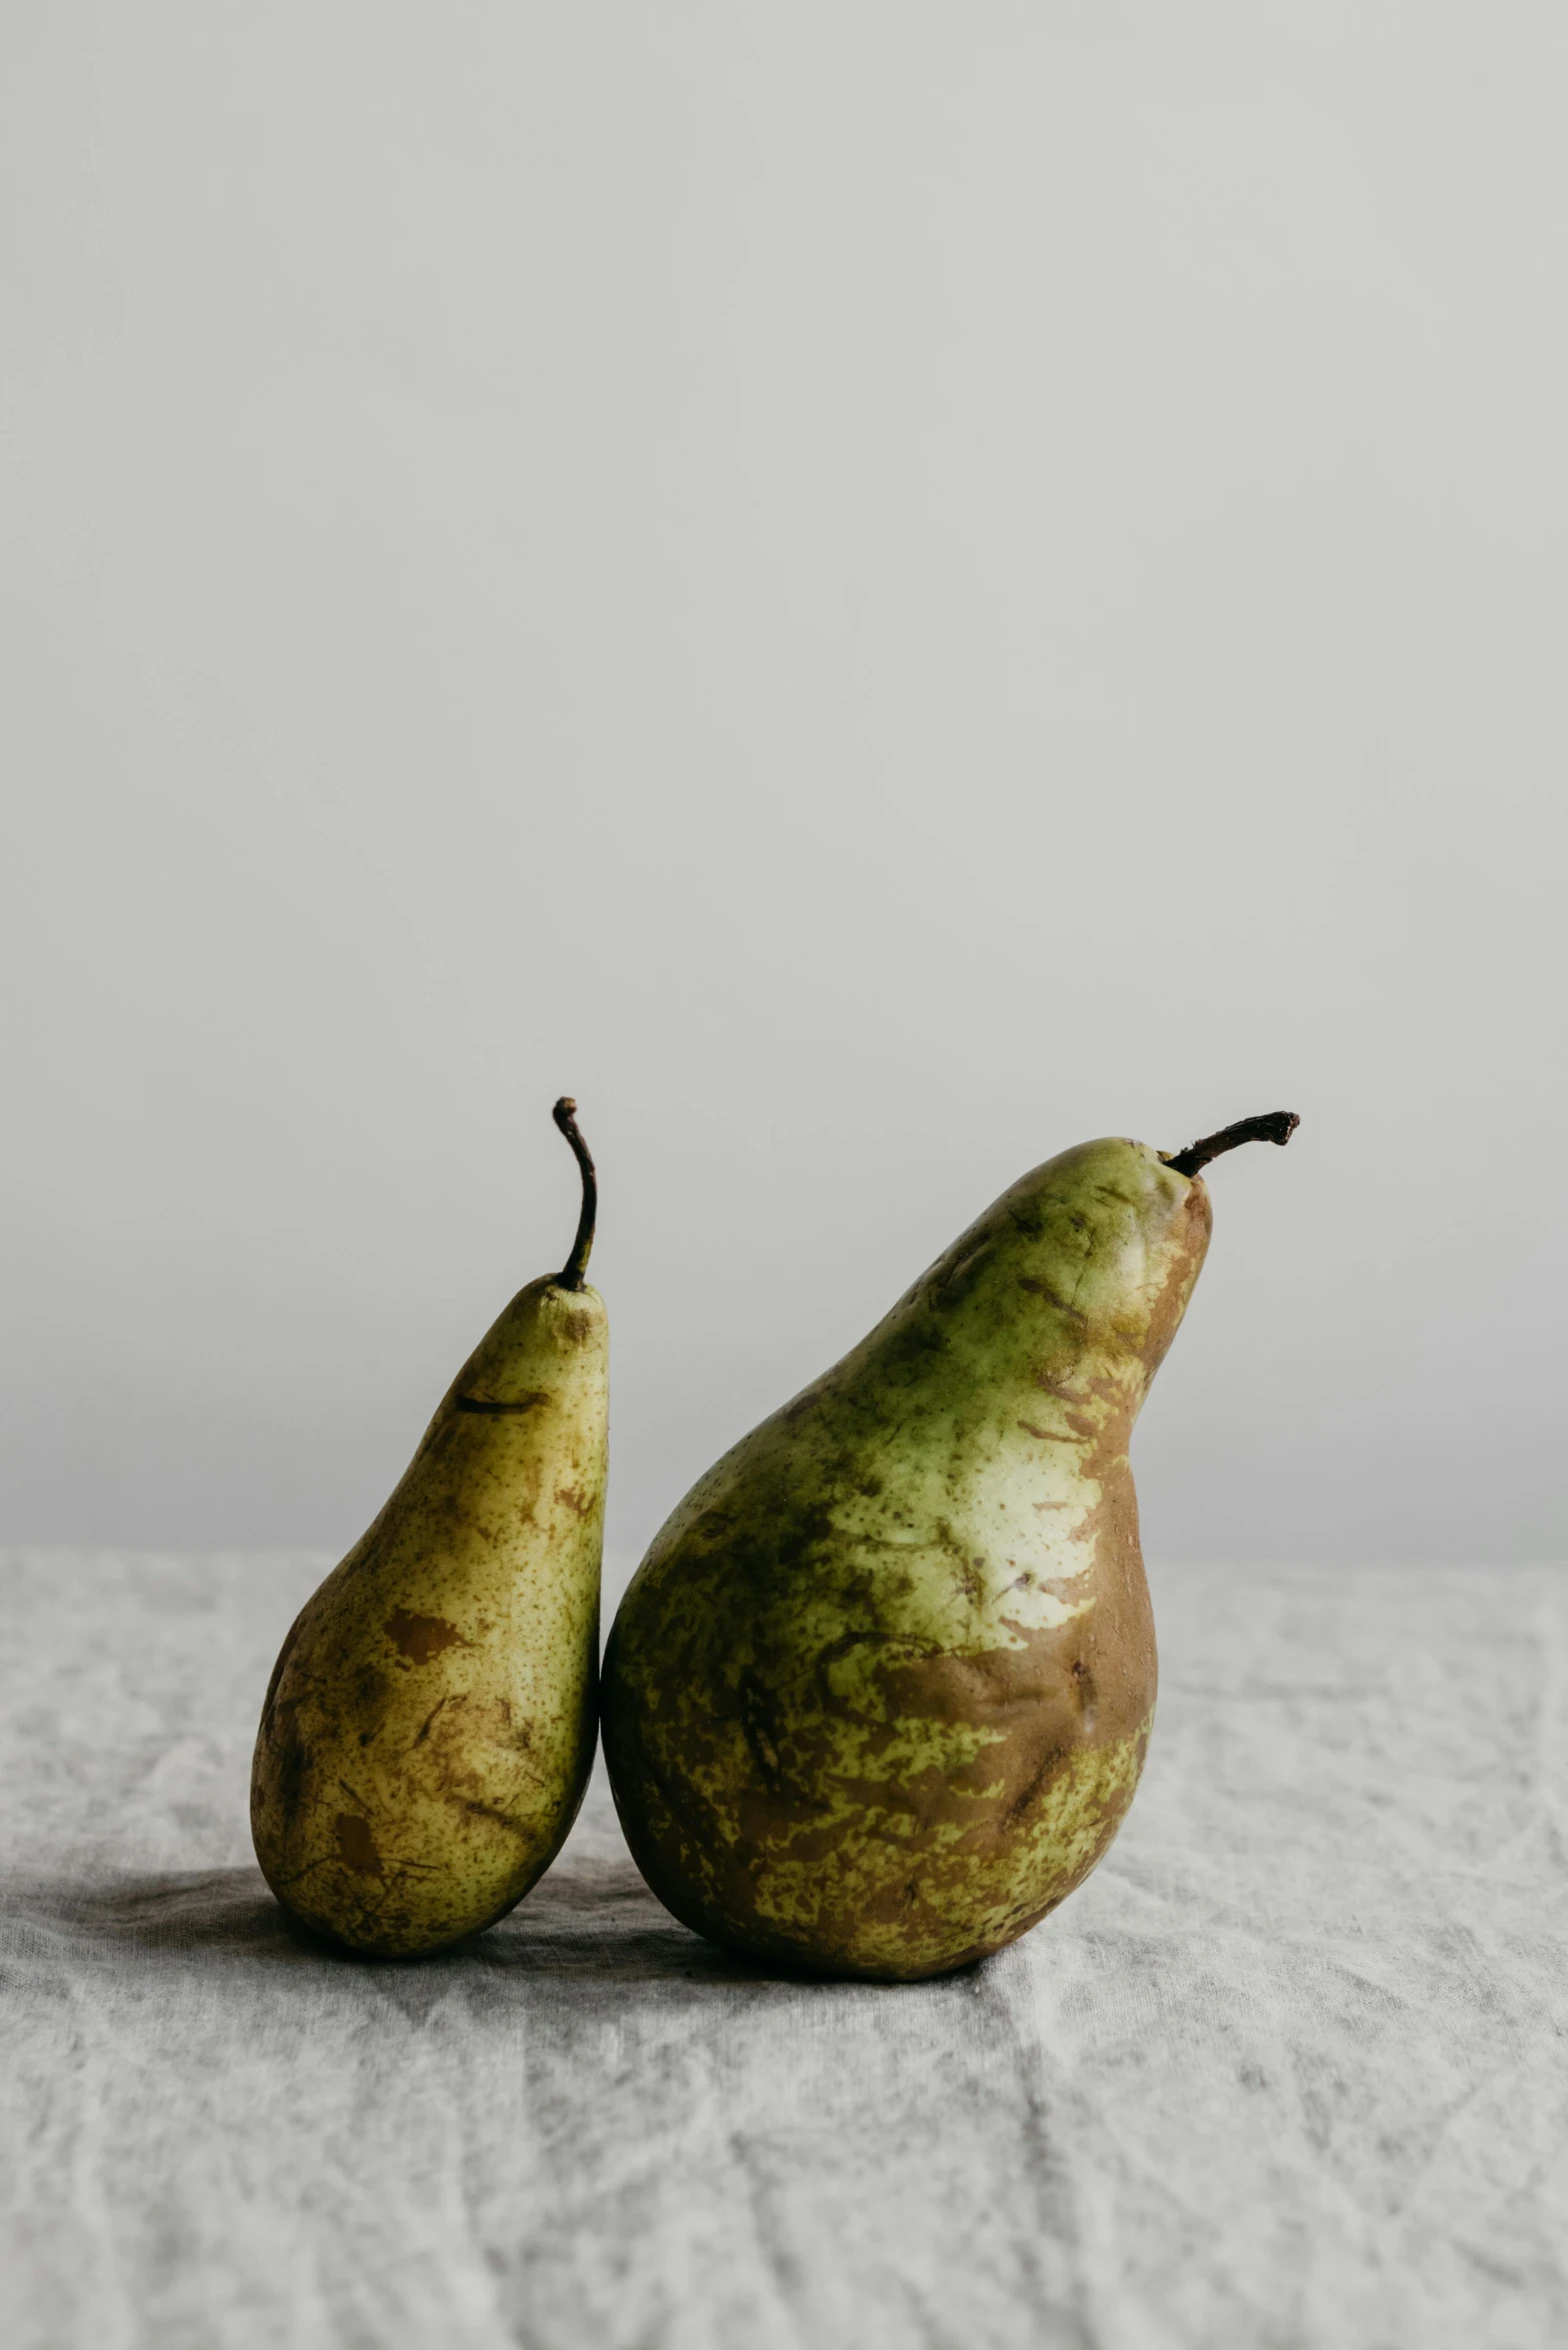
pixel 1290 2069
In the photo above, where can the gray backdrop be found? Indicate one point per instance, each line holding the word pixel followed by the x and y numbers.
pixel 873 590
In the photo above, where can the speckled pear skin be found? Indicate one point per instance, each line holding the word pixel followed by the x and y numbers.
pixel 430 1723
pixel 878 1697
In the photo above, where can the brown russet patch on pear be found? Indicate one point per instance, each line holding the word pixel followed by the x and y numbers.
pixel 1192 1241
pixel 421 1638
pixel 357 1846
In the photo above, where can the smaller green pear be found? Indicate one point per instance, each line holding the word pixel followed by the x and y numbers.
pixel 429 1727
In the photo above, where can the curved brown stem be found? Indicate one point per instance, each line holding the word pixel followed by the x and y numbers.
pixel 1269 1126
pixel 572 1272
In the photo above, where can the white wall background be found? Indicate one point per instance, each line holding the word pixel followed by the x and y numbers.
pixel 871 589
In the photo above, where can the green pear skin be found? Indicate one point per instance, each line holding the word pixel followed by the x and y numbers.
pixel 430 1723
pixel 878 1697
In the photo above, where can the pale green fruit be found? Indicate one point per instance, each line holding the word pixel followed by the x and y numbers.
pixel 429 1727
pixel 878 1697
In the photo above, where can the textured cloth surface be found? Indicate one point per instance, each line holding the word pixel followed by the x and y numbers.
pixel 1291 2069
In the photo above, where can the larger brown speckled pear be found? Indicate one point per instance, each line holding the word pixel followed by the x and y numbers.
pixel 429 1727
pixel 878 1697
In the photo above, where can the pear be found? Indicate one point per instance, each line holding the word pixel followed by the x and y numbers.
pixel 429 1727
pixel 878 1697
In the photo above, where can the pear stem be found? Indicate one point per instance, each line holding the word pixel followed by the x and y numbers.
pixel 1269 1126
pixel 576 1266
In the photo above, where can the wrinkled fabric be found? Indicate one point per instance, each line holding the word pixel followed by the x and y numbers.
pixel 1291 2069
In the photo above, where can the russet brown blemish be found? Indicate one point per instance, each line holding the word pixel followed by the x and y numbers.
pixel 421 1638
pixel 356 1845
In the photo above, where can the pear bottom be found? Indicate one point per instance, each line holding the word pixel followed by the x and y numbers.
pixel 884 1808
pixel 939 1912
